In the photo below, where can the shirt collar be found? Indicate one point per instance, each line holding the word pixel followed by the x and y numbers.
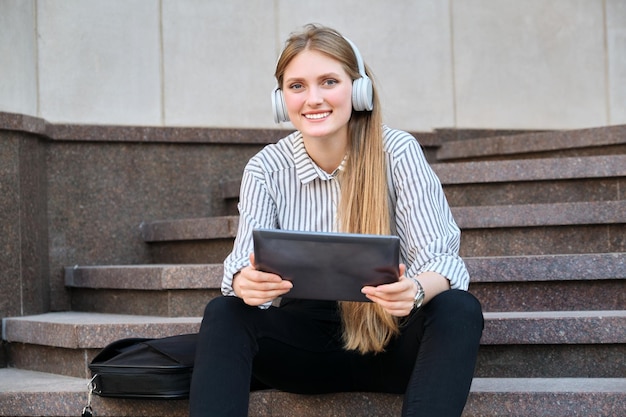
pixel 306 169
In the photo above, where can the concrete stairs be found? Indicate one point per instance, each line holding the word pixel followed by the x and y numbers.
pixel 544 238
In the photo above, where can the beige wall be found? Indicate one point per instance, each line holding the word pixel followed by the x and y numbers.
pixel 531 64
pixel 18 57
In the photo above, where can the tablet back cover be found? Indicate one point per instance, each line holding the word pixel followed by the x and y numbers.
pixel 327 266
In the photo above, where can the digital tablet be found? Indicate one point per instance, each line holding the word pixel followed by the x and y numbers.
pixel 327 266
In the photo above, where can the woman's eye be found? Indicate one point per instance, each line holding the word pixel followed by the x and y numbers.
pixel 297 86
pixel 330 82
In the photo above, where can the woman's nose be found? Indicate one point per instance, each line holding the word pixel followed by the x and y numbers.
pixel 315 97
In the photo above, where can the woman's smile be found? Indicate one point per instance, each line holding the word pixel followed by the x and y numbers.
pixel 317 116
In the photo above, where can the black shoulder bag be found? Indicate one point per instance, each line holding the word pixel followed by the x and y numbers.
pixel 145 368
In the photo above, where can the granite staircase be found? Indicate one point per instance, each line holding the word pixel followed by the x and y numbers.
pixel 543 217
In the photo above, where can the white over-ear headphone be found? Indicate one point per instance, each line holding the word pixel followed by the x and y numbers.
pixel 362 92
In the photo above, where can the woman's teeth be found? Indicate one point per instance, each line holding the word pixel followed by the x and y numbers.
pixel 317 115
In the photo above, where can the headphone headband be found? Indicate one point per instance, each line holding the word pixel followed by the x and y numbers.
pixel 357 55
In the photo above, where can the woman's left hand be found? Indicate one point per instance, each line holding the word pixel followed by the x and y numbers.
pixel 397 298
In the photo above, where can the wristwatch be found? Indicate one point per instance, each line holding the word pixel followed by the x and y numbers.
pixel 419 296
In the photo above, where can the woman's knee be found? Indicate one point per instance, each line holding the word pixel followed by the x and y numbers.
pixel 222 305
pixel 226 311
pixel 457 306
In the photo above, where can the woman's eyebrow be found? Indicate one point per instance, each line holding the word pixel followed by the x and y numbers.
pixel 293 79
pixel 319 77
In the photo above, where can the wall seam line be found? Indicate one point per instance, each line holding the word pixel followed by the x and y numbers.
pixel 161 64
pixel 37 77
pixel 607 59
pixel 453 64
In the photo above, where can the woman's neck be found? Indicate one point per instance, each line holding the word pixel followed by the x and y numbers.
pixel 326 153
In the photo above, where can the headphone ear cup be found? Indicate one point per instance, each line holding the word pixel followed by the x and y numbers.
pixel 362 94
pixel 278 106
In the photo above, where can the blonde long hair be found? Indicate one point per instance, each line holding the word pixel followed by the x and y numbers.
pixel 364 205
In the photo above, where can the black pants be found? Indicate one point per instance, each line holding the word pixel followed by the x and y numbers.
pixel 297 348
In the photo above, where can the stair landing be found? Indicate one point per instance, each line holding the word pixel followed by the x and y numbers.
pixel 28 393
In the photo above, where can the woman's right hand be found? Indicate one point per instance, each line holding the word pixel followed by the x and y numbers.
pixel 257 287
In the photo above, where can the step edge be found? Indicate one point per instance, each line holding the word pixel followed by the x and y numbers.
pixel 530 170
pixel 540 215
pixel 74 330
pixel 547 268
pixel 520 268
pixel 550 327
pixel 467 218
pixel 596 327
pixel 151 276
pixel 532 142
pixel 483 393
pixel 479 384
pixel 189 229
pixel 509 170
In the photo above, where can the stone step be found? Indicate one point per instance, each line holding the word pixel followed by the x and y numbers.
pixel 541 229
pixel 197 240
pixel 508 283
pixel 65 342
pixel 608 140
pixel 501 230
pixel 27 393
pixel 159 290
pixel 553 344
pixel 533 181
pixel 593 281
pixel 537 215
pixel 520 181
pixel 476 217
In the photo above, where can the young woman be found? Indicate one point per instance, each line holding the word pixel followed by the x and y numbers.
pixel 342 170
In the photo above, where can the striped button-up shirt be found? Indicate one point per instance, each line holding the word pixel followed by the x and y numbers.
pixel 283 188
